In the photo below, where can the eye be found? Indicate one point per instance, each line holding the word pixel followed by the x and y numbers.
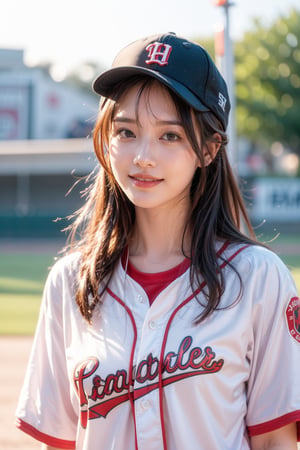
pixel 125 133
pixel 172 137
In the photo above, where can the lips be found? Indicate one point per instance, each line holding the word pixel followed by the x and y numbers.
pixel 144 180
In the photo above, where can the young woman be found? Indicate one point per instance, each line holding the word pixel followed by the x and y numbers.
pixel 165 327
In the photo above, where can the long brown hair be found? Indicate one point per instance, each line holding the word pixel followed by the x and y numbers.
pixel 107 220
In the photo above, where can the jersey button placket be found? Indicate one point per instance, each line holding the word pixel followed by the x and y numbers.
pixel 140 299
pixel 152 325
pixel 147 407
pixel 145 404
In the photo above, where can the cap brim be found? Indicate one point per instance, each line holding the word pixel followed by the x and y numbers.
pixel 105 82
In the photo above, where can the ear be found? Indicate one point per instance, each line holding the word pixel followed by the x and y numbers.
pixel 211 149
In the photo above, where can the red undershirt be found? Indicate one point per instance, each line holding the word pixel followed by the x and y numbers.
pixel 154 283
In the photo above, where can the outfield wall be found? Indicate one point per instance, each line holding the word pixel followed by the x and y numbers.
pixel 41 181
pixel 276 200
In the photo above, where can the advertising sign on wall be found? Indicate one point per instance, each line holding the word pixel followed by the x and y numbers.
pixel 276 199
pixel 14 112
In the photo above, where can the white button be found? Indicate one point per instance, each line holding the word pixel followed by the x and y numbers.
pixel 152 325
pixel 145 404
pixel 140 298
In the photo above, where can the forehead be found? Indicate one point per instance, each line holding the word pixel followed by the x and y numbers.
pixel 147 98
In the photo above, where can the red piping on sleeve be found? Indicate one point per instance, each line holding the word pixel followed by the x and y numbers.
pixel 45 438
pixel 274 424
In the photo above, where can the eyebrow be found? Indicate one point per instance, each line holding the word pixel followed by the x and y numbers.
pixel 159 122
pixel 124 120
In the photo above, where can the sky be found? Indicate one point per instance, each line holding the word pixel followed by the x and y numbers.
pixel 70 32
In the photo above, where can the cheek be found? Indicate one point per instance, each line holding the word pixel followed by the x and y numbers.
pixel 114 154
pixel 118 151
pixel 186 168
pixel 193 160
pixel 117 161
pixel 112 149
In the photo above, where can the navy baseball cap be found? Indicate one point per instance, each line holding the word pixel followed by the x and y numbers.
pixel 182 65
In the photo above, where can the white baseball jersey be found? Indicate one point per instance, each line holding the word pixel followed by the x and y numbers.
pixel 148 378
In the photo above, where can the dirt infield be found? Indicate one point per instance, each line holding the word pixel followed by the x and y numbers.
pixel 31 245
pixel 14 355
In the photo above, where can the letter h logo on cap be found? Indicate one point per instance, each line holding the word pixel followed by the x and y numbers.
pixel 158 53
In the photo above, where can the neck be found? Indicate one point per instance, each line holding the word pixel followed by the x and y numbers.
pixel 157 241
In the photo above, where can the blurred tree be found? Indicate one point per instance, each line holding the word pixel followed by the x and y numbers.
pixel 208 44
pixel 267 76
pixel 80 76
pixel 83 75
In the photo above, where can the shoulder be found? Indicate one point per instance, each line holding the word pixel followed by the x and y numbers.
pixel 65 268
pixel 60 287
pixel 67 263
pixel 253 257
pixel 257 265
pixel 261 271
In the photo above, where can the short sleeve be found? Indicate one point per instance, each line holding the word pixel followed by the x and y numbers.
pixel 45 409
pixel 274 387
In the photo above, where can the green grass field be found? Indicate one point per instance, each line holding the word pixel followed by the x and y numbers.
pixel 22 277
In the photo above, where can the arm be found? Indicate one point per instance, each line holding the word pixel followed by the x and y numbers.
pixel 284 438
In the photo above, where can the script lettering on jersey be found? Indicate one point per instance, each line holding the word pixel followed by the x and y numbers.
pixel 98 395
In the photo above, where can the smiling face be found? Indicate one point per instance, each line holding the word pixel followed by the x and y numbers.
pixel 150 155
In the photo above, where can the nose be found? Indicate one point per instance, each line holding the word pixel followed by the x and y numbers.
pixel 144 156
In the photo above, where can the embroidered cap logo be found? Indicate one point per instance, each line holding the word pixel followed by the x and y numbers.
pixel 222 101
pixel 158 53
